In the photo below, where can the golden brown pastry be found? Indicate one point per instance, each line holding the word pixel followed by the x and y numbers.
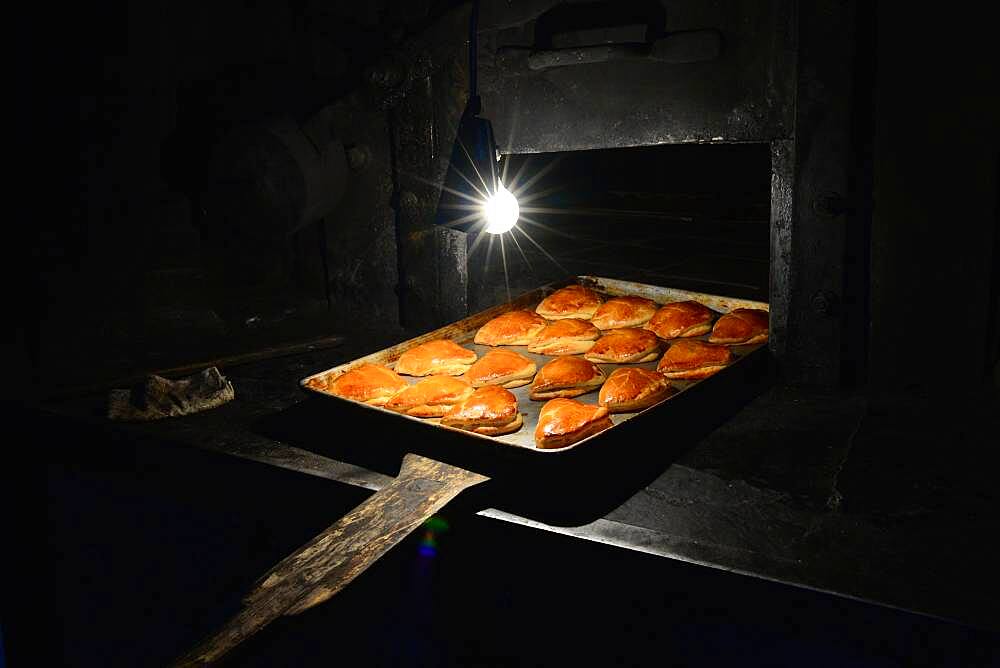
pixel 437 357
pixel 501 367
pixel 516 328
pixel 573 301
pixel 566 377
pixel 681 319
pixel 624 312
pixel 563 422
pixel 690 359
pixel 490 410
pixel 571 336
pixel 625 346
pixel 741 326
pixel 430 397
pixel 633 388
pixel 372 384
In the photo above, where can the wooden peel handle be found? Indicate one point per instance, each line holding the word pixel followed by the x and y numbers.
pixel 327 563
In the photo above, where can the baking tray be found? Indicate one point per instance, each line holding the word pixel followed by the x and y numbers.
pixel 568 486
pixel 464 331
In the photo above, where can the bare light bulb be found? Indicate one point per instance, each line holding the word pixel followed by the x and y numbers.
pixel 501 211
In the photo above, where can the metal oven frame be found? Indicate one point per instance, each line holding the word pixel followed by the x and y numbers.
pixel 785 75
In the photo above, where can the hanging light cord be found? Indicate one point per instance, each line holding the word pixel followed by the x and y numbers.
pixel 474 57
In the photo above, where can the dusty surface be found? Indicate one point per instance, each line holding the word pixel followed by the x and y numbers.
pixel 882 499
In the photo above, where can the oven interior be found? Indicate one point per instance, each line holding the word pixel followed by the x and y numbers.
pixel 695 217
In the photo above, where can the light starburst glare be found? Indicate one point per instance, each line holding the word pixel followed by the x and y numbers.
pixel 501 211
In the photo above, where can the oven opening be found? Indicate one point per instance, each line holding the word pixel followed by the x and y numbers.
pixel 689 216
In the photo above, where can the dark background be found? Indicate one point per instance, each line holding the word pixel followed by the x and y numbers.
pixel 124 104
pixel 113 111
pixel 146 550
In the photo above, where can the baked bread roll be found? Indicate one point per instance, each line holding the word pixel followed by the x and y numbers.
pixel 437 357
pixel 573 301
pixel 371 384
pixel 624 312
pixel 570 336
pixel 501 367
pixel 516 328
pixel 681 319
pixel 633 388
pixel 563 422
pixel 430 397
pixel 690 359
pixel 625 346
pixel 490 410
pixel 742 326
pixel 566 377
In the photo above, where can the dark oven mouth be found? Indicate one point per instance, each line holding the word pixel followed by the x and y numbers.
pixel 689 216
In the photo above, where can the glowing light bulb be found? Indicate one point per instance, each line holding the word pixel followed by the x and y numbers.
pixel 501 211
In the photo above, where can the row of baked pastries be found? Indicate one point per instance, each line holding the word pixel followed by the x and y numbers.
pixel 443 357
pixel 630 389
pixel 674 320
pixel 563 377
pixel 627 388
pixel 580 316
pixel 489 409
pixel 582 303
pixel 572 336
pixel 492 410
pixel 686 358
pixel 688 319
pixel 568 376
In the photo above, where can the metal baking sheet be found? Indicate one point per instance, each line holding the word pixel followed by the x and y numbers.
pixel 463 332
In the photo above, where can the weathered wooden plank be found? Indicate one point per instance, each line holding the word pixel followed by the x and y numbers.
pixel 327 563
